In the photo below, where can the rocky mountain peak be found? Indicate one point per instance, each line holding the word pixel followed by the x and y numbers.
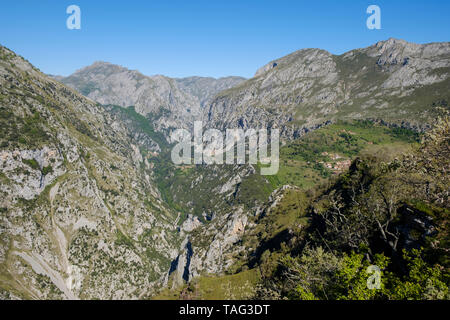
pixel 101 63
pixel 392 42
pixel 300 56
pixel 103 68
pixel 392 49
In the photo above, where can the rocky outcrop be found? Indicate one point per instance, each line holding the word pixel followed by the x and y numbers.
pixel 214 246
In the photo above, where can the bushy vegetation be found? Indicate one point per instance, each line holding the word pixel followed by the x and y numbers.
pixel 302 161
pixel 321 274
pixel 22 131
pixel 391 214
pixel 32 163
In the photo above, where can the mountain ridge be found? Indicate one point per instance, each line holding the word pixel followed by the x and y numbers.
pixel 174 102
pixel 296 92
pixel 311 86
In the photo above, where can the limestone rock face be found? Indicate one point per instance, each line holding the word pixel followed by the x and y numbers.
pixel 393 80
pixel 157 95
pixel 80 217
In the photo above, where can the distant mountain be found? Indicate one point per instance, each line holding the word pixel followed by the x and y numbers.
pixel 157 95
pixel 392 80
pixel 169 102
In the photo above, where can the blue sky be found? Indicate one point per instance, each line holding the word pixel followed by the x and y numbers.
pixel 206 38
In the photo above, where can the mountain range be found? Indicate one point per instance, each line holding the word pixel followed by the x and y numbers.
pixel 92 207
pixel 392 80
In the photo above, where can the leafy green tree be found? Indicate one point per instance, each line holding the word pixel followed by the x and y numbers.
pixel 423 282
pixel 352 278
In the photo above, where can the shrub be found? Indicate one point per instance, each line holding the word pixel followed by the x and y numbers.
pixel 46 170
pixel 32 163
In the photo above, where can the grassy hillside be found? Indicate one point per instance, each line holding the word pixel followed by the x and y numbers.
pixel 304 162
pixel 238 286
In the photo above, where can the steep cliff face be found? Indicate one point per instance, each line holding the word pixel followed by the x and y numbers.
pixel 216 220
pixel 80 215
pixel 393 80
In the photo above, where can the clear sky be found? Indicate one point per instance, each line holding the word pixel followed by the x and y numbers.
pixel 206 38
